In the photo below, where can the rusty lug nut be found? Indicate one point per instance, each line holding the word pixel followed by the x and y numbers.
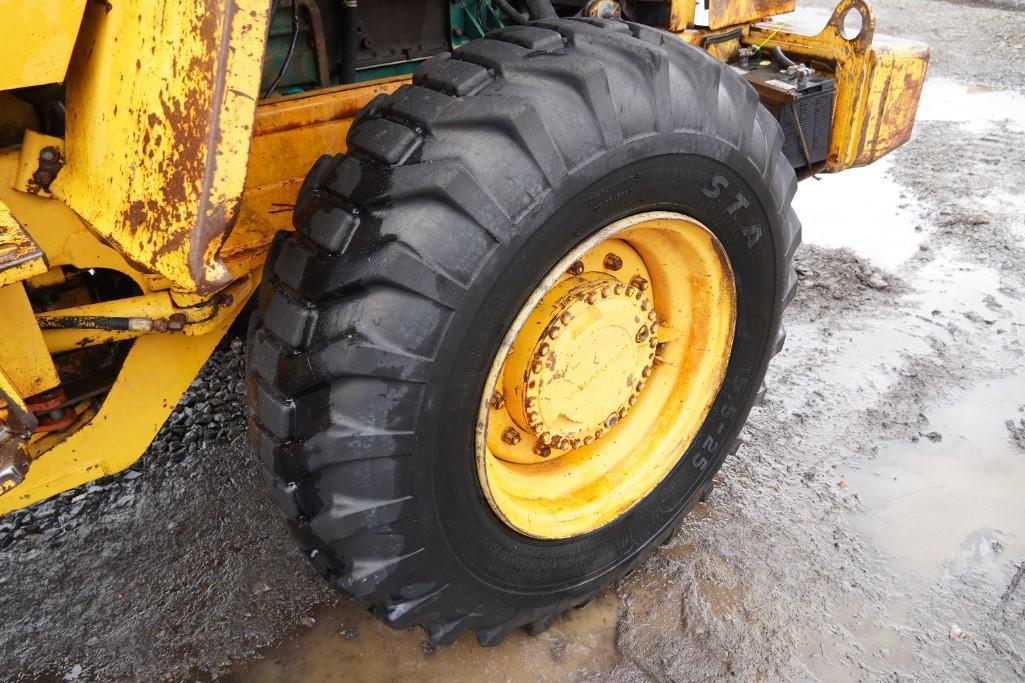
pixel 622 413
pixel 544 349
pixel 545 438
pixel 591 298
pixel 618 289
pixel 653 343
pixel 497 401
pixel 654 327
pixel 599 433
pixel 605 291
pixel 511 436
pixel 176 322
pixel 588 440
pixel 646 372
pixel 49 154
pixel 576 268
pixel 645 305
pixel 612 262
pixel 612 420
pixel 652 315
pixel 630 291
pixel 542 450
pixel 638 283
pixel 642 335
pixel 640 387
pixel 553 332
pixel 566 317
pixel 632 400
pixel 536 367
pixel 557 442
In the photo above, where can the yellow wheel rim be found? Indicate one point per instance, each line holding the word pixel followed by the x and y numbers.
pixel 606 375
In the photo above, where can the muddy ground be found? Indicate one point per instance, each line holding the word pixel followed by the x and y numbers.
pixel 872 527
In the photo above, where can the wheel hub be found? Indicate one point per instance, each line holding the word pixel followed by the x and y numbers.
pixel 581 361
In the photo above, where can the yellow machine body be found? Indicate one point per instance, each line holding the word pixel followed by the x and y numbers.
pixel 174 175
pixel 37 41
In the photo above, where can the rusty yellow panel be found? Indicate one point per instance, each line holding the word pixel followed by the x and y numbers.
pixel 681 15
pixel 37 40
pixel 894 88
pixel 723 13
pixel 23 354
pixel 160 105
pixel 20 256
pixel 289 135
pixel 878 79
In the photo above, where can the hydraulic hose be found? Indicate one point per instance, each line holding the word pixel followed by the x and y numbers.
pixel 781 59
pixel 515 16
pixel 350 42
pixel 541 9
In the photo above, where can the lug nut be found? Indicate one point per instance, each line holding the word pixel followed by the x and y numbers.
pixel 618 289
pixel 591 298
pixel 642 335
pixel 511 436
pixel 588 440
pixel 632 400
pixel 652 315
pixel 654 327
pixel 542 450
pixel 612 420
pixel 605 291
pixel 566 317
pixel 553 332
pixel 545 438
pixel 638 283
pixel 544 349
pixel 497 401
pixel 612 262
pixel 646 372
pixel 576 268
pixel 645 305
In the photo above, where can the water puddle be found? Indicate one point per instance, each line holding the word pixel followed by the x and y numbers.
pixel 952 501
pixel 347 644
pixel 863 209
pixel 977 108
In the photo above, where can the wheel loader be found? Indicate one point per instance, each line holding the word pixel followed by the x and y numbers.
pixel 511 270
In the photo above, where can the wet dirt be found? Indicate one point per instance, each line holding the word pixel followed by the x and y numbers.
pixel 872 526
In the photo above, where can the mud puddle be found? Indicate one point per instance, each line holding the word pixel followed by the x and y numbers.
pixel 347 644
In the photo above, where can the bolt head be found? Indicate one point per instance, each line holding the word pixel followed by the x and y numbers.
pixel 554 331
pixel 566 317
pixel 612 262
pixel 576 268
pixel 591 298
pixel 542 450
pixel 629 291
pixel 618 289
pixel 642 335
pixel 612 420
pixel 511 436
pixel 639 283
pixel 544 349
pixel 646 372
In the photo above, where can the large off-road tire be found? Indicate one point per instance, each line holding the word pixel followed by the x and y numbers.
pixel 380 317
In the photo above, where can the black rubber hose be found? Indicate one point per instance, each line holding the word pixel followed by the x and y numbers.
pixel 541 9
pixel 781 59
pixel 722 37
pixel 515 16
pixel 350 42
